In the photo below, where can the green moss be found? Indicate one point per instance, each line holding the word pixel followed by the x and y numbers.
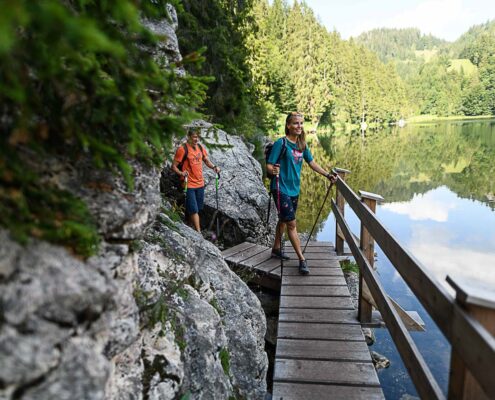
pixel 135 246
pixel 349 266
pixel 174 212
pixel 216 306
pixel 225 360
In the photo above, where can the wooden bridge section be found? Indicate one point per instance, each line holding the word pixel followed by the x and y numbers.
pixel 321 352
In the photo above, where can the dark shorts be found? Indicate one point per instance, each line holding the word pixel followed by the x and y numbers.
pixel 194 200
pixel 288 205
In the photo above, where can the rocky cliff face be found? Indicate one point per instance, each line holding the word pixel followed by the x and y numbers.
pixel 156 314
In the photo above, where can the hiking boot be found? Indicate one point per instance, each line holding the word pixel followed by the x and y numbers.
pixel 277 253
pixel 303 267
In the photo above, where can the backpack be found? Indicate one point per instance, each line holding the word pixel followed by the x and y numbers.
pixel 186 151
pixel 268 150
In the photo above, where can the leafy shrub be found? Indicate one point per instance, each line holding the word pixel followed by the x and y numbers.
pixel 79 76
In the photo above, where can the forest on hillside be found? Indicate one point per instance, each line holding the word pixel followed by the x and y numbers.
pixel 441 78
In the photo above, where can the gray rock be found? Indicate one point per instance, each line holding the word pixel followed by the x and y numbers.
pixel 369 336
pixel 119 214
pixel 379 361
pixel 216 295
pixel 53 285
pixel 82 374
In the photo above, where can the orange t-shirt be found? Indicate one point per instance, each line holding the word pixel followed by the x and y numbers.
pixel 193 164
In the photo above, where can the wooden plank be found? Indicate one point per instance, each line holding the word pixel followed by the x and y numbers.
pixel 268 265
pixel 301 330
pixel 330 372
pixel 312 249
pixel 315 256
pixel 239 257
pixel 315 263
pixel 318 315
pixel 313 280
pixel 471 291
pixel 259 258
pixel 314 291
pixel 304 391
pixel 237 249
pixel 323 350
pixel 275 273
pixel 313 243
pixel 291 271
pixel 335 303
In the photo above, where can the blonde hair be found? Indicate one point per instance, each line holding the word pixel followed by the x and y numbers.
pixel 301 139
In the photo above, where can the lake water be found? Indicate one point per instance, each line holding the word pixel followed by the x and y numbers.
pixel 438 184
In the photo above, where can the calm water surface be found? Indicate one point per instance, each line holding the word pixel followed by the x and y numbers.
pixel 438 184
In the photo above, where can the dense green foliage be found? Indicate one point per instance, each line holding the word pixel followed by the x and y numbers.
pixel 441 78
pixel 398 44
pixel 297 64
pixel 219 28
pixel 79 77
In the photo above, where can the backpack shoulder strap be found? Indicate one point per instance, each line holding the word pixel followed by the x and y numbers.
pixel 283 150
pixel 202 151
pixel 184 157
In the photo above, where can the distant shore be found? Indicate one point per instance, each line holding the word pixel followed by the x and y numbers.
pixel 434 118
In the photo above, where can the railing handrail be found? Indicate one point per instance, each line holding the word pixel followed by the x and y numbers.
pixel 474 344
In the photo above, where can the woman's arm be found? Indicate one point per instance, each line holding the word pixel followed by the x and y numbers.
pixel 316 167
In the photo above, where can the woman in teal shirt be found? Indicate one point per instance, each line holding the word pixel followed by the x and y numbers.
pixel 285 161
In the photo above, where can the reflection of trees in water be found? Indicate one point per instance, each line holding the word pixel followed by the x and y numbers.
pixel 398 163
pixel 422 157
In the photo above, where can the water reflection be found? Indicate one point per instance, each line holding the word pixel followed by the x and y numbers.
pixel 438 185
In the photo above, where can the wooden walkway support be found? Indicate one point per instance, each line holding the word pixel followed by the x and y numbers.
pixel 321 352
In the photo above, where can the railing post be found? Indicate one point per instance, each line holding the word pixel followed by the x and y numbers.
pixel 340 201
pixel 477 299
pixel 367 245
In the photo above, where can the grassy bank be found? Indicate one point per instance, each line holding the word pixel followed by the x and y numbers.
pixel 434 118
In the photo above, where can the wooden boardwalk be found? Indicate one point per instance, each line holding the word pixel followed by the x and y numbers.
pixel 321 352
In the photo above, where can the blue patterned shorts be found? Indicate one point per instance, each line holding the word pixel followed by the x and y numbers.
pixel 288 206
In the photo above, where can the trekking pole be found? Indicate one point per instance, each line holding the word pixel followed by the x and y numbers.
pixel 185 198
pixel 216 193
pixel 268 215
pixel 318 217
pixel 279 224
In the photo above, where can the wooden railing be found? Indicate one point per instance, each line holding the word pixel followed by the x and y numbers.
pixel 468 321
